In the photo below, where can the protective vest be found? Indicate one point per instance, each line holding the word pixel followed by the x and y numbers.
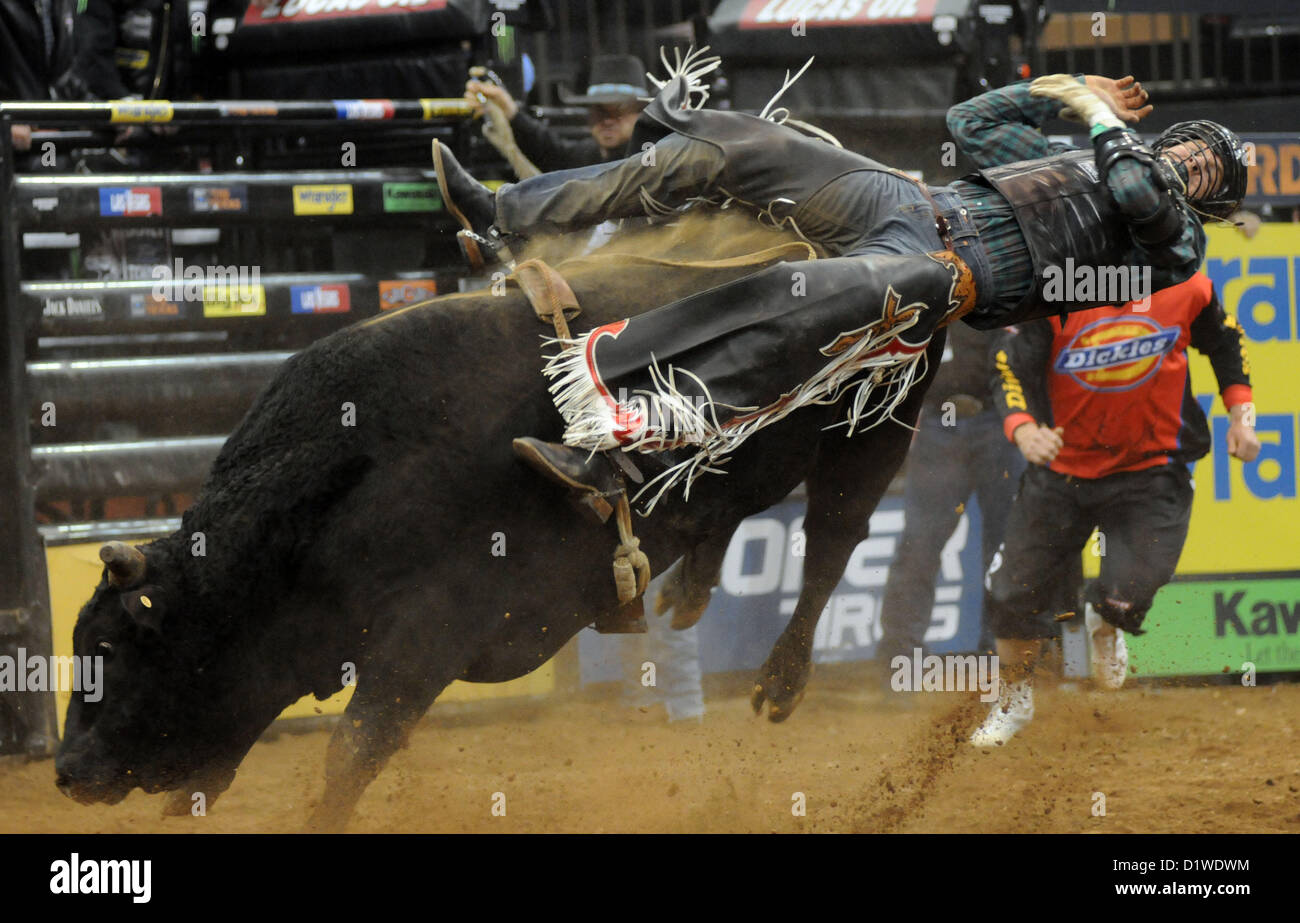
pixel 1065 212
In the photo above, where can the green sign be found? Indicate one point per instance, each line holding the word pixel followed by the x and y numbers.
pixel 412 197
pixel 1201 627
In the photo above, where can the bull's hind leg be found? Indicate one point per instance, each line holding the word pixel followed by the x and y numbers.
pixel 847 481
pixel 687 588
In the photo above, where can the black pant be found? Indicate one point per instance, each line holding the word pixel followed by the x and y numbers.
pixel 845 204
pixel 945 465
pixel 1142 517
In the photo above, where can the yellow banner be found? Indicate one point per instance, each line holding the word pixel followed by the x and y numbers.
pixel 323 199
pixel 140 110
pixel 230 301
pixel 1246 516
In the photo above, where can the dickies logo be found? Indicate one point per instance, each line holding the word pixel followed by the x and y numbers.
pixel 1116 353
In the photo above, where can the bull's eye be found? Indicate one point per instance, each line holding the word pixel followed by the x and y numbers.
pixel 105 648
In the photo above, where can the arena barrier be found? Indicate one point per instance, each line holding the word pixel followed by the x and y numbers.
pixel 119 392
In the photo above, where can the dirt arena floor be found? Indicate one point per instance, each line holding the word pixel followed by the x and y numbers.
pixel 1169 759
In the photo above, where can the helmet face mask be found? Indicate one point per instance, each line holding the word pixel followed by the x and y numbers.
pixel 1211 162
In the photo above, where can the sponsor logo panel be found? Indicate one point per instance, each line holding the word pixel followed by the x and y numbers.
pixel 323 199
pixel 140 110
pixel 229 301
pixel 398 293
pixel 130 201
pixel 206 199
pixel 412 197
pixel 778 14
pixel 320 299
pixel 282 11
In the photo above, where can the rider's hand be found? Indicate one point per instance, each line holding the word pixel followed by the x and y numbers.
pixel 1125 96
pixel 497 94
pixel 1039 444
pixel 1242 441
pixel 22 137
pixel 1080 101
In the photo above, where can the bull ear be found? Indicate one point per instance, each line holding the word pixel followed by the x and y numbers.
pixel 145 607
pixel 126 564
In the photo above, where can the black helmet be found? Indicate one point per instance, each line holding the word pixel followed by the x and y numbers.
pixel 1222 159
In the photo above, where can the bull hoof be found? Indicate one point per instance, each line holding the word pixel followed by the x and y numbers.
pixel 687 608
pixel 684 617
pixel 781 689
pixel 778 709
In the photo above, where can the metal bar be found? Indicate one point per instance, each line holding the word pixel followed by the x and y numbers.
pixel 76 533
pixel 94 470
pixel 593 31
pixel 23 594
pixel 170 395
pixel 239 112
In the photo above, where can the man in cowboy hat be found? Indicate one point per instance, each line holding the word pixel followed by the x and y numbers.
pixel 613 100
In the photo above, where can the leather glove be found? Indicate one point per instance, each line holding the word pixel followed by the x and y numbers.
pixel 1081 103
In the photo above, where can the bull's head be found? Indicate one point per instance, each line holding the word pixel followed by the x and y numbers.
pixel 171 711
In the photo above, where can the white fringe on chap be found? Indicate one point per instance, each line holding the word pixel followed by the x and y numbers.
pixel 675 420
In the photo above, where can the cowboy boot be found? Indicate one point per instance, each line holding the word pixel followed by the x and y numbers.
pixel 593 478
pixel 474 206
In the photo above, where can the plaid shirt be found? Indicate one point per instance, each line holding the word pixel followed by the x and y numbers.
pixel 1004 126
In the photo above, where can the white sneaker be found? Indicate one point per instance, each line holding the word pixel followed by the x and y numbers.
pixel 1108 650
pixel 1013 710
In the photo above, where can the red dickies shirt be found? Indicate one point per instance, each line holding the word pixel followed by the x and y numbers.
pixel 1115 379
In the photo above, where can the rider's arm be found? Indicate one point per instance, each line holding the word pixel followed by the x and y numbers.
pixel 1003 126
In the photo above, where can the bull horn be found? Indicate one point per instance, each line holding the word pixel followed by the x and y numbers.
pixel 125 564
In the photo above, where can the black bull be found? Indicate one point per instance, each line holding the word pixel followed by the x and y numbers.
pixel 350 523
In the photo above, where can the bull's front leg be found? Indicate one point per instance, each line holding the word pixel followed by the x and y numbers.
pixel 404 669
pixel 688 587
pixel 847 481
